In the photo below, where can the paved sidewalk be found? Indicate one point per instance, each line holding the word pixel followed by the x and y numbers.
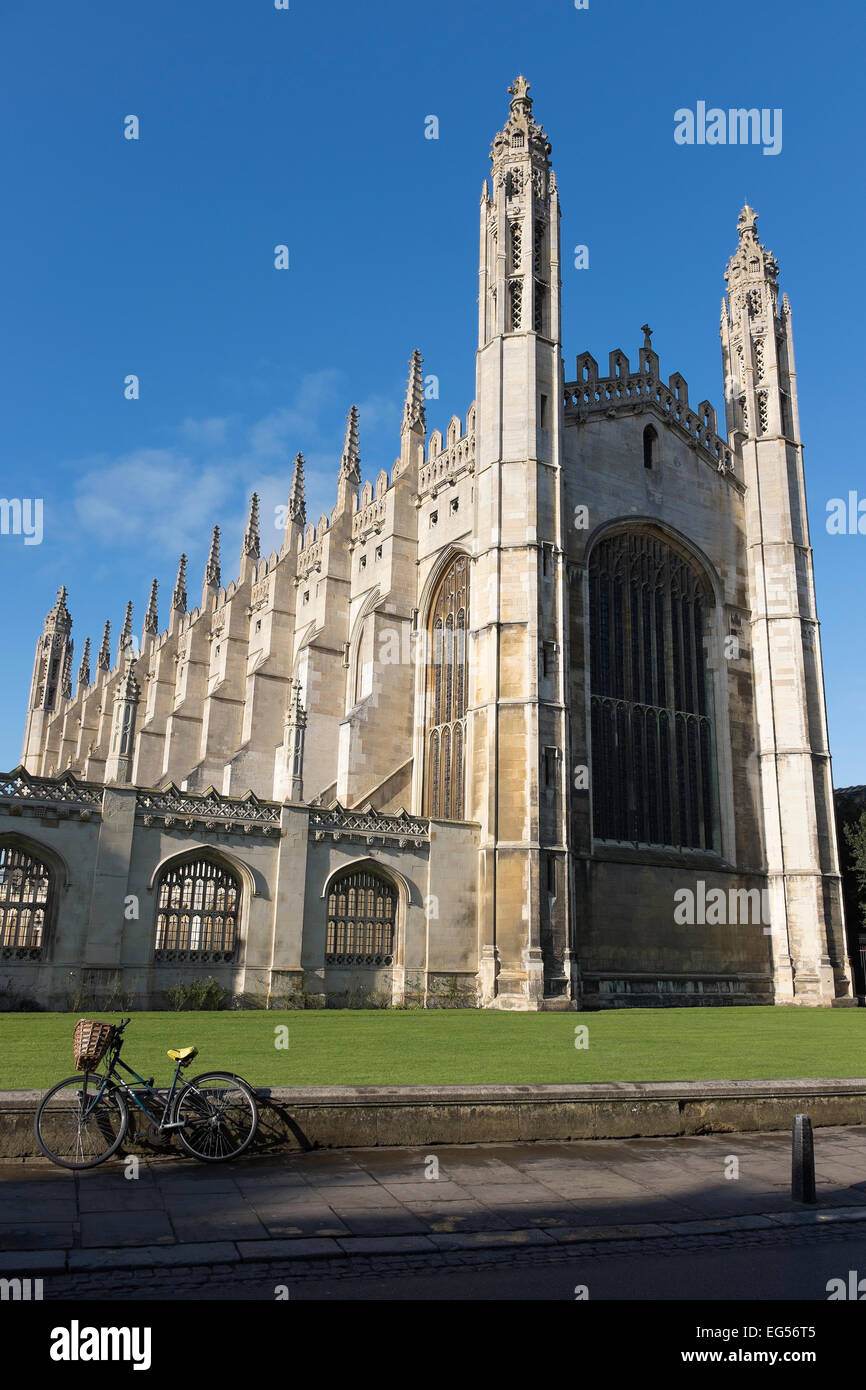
pixel 338 1204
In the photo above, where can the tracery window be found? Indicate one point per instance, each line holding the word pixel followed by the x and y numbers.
pixel 198 903
pixel 447 695
pixel 362 916
pixel 653 747
pixel 26 885
pixel 515 301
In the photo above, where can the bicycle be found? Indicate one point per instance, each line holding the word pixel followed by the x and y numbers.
pixel 215 1115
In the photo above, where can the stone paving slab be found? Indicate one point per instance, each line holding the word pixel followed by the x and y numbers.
pixel 372 1201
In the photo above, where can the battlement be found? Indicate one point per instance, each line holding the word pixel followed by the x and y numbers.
pixel 624 391
pixel 448 459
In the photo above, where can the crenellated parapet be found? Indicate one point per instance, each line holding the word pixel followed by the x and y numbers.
pixel 627 392
pixel 451 458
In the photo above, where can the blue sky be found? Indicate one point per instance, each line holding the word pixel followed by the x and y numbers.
pixel 306 127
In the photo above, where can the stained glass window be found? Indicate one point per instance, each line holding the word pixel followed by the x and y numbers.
pixel 653 747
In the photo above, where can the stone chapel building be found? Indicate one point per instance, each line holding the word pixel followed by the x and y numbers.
pixel 475 736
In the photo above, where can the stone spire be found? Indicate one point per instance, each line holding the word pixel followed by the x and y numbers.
pixel 350 462
pixel 297 503
pixel 118 766
pixel 66 680
pixel 251 536
pixel 151 617
pixel 103 660
pixel 414 414
pixel 178 598
pixel 296 723
pixel 59 619
pixel 520 259
pixel 212 573
pixel 84 668
pixel 125 633
pixel 806 918
pixel 413 431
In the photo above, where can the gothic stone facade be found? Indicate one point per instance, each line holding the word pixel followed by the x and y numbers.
pixel 478 734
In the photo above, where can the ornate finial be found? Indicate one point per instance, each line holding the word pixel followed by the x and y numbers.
pixel 103 660
pixel 84 668
pixel 297 504
pixel 178 598
pixel 212 573
pixel 151 617
pixel 747 224
pixel 647 337
pixel 350 462
pixel 413 411
pixel 519 91
pixel 126 632
pixel 296 715
pixel 251 536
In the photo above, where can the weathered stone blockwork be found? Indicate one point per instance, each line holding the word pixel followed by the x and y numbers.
pixel 574 636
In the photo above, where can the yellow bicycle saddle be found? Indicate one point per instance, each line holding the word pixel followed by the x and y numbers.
pixel 183 1054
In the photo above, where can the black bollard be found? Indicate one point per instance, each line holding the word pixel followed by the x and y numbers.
pixel 802 1160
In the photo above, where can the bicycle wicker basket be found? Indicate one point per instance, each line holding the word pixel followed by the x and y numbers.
pixel 90 1042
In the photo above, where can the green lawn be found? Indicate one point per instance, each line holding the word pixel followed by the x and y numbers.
pixel 367 1047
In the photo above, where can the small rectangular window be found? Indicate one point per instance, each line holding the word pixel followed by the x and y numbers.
pixel 455 504
pixel 378 552
pixel 551 758
pixel 542 413
pixel 434 518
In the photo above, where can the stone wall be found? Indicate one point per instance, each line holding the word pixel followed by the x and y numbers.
pixel 107 846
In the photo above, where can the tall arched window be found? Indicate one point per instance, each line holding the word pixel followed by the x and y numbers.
pixel 447 694
pixel 26 885
pixel 653 748
pixel 197 910
pixel 362 919
pixel 650 439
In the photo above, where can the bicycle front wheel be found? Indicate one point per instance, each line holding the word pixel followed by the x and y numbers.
pixel 219 1115
pixel 78 1125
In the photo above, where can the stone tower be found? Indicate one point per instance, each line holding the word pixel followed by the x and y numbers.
pixel 516 724
pixel 808 937
pixel 51 671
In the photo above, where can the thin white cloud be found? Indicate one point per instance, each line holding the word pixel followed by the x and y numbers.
pixel 157 494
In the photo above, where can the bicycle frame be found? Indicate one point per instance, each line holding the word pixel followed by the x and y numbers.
pixel 113 1078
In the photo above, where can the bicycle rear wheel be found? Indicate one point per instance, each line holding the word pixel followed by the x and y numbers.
pixel 74 1128
pixel 219 1115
